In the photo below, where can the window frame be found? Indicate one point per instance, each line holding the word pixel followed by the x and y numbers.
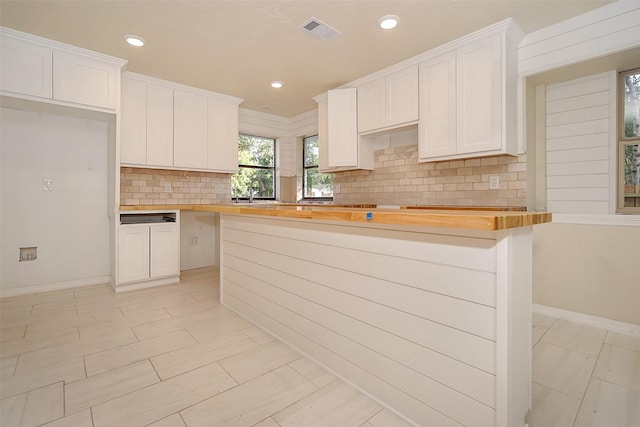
pixel 305 168
pixel 255 167
pixel 622 141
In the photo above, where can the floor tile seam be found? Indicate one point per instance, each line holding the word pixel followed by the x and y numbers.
pixel 615 384
pixel 144 357
pixel 567 348
pixel 119 396
pixel 558 391
pixel 317 390
pixel 37 349
pixel 575 419
pixel 624 348
pixel 591 377
pixel 309 379
pixel 372 416
pixel 33 389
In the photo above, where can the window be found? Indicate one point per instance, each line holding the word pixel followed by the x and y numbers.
pixel 629 143
pixel 257 168
pixel 315 184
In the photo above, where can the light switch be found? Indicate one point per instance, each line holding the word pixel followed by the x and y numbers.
pixel 47 184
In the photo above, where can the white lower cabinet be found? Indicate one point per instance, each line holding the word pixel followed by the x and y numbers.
pixel 147 252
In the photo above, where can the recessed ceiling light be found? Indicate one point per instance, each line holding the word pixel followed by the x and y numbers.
pixel 388 22
pixel 276 84
pixel 134 40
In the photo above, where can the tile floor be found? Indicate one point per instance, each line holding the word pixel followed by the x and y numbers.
pixel 173 356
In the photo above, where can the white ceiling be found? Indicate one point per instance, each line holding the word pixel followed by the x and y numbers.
pixel 237 46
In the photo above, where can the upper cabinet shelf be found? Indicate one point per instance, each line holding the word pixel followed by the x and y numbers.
pixel 388 102
pixel 45 71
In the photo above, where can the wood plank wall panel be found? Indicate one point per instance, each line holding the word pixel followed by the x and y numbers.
pixel 374 311
pixel 578 137
pixel 600 32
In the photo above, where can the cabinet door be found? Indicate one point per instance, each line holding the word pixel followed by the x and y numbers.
pixel 133 253
pixel 342 132
pixel 84 81
pixel 25 68
pixel 165 250
pixel 479 105
pixel 222 136
pixel 189 130
pixel 437 130
pixel 159 112
pixel 323 134
pixel 371 106
pixel 133 122
pixel 402 97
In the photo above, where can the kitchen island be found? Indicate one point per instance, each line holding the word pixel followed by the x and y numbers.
pixel 428 311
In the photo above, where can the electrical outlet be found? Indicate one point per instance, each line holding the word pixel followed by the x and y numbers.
pixel 167 187
pixel 194 240
pixel 494 182
pixel 28 254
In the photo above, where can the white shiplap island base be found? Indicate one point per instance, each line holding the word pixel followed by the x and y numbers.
pixel 433 322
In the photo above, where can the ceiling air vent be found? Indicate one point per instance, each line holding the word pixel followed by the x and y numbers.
pixel 319 29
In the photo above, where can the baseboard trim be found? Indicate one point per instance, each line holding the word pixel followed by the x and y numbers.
pixel 587 319
pixel 147 284
pixel 55 286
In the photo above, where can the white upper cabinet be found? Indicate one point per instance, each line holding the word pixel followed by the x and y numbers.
pixel 468 97
pixel 437 129
pixel 342 127
pixel 172 126
pixel 133 124
pixel 146 136
pixel 479 75
pixel 222 129
pixel 43 70
pixel 189 130
pixel 159 103
pixel 339 144
pixel 26 68
pixel 388 102
pixel 83 80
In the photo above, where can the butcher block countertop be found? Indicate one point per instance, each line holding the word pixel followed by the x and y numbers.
pixel 453 217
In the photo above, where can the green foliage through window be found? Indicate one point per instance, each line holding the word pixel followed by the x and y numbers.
pixel 629 146
pixel 256 173
pixel 315 184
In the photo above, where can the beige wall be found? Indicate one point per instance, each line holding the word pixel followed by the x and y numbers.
pixel 588 269
pixel 399 179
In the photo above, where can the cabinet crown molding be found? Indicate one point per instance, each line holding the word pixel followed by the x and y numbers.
pixel 508 26
pixel 182 87
pixel 63 47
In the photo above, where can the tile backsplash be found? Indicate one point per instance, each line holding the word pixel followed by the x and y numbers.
pixel 399 179
pixel 139 186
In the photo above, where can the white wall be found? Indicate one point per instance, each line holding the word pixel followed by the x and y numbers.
pixel 69 225
pixel 198 239
pixel 586 260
